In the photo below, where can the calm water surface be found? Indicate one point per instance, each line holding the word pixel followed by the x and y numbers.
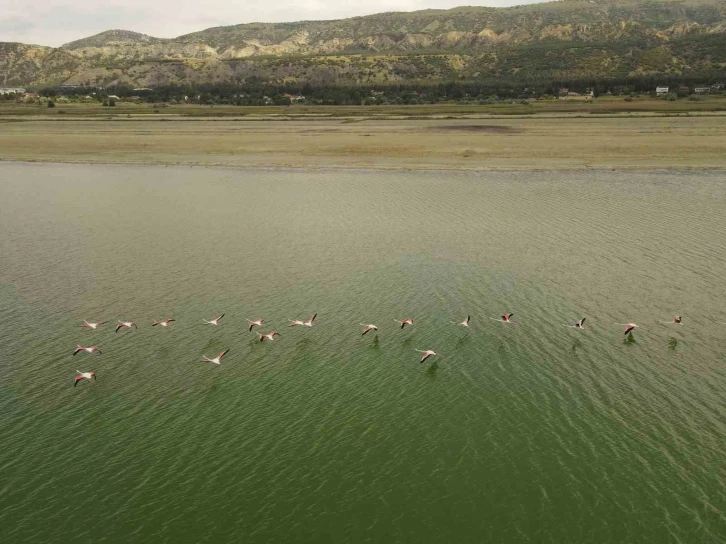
pixel 526 433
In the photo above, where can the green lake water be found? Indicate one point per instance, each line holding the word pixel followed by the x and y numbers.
pixel 530 432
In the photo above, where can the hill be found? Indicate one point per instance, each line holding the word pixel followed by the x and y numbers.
pixel 121 38
pixel 568 38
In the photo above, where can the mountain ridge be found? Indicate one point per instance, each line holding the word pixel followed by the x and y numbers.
pixel 604 39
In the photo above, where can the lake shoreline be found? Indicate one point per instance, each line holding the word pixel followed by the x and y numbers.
pixel 360 168
pixel 532 144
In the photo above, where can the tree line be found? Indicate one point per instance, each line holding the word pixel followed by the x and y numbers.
pixel 258 93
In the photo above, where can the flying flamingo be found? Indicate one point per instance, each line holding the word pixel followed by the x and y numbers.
pixel 428 353
pixel 464 323
pixel 628 327
pixel 83 375
pixel 408 321
pixel 89 349
pixel 368 328
pixel 506 318
pixel 257 323
pixel 93 325
pixel 128 324
pixel 676 321
pixel 163 323
pixel 308 323
pixel 579 325
pixel 270 336
pixel 214 321
pixel 217 360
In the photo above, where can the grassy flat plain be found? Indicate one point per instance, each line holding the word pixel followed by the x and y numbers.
pixel 555 135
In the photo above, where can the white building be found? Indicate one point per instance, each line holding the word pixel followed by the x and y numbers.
pixel 662 91
pixel 11 90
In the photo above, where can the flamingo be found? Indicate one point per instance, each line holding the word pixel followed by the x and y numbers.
pixel 89 349
pixel 368 328
pixel 464 323
pixel 163 323
pixel 83 376
pixel 308 323
pixel 257 323
pixel 93 325
pixel 128 324
pixel 628 327
pixel 428 353
pixel 217 360
pixel 408 321
pixel 676 321
pixel 214 321
pixel 579 325
pixel 270 336
pixel 506 318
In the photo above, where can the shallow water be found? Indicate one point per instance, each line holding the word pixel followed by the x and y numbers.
pixel 532 432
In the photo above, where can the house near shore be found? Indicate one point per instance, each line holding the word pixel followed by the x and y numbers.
pixel 577 96
pixel 12 90
pixel 702 90
pixel 662 91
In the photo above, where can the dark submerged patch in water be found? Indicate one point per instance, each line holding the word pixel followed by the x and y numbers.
pixel 486 129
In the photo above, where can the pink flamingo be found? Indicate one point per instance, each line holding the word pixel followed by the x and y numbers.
pixel 579 325
pixel 214 321
pixel 217 360
pixel 269 336
pixel 128 324
pixel 83 376
pixel 163 323
pixel 676 321
pixel 257 323
pixel 408 321
pixel 89 349
pixel 628 327
pixel 428 353
pixel 464 323
pixel 93 325
pixel 308 323
pixel 506 318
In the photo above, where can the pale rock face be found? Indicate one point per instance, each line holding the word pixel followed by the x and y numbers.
pixel 377 43
pixel 333 46
pixel 487 35
pixel 414 41
pixel 239 52
pixel 454 39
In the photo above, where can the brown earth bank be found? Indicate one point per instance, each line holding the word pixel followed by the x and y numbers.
pixel 531 143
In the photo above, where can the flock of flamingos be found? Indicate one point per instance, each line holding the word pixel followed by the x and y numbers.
pixel 270 336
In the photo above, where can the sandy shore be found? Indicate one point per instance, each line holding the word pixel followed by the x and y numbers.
pixel 534 143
